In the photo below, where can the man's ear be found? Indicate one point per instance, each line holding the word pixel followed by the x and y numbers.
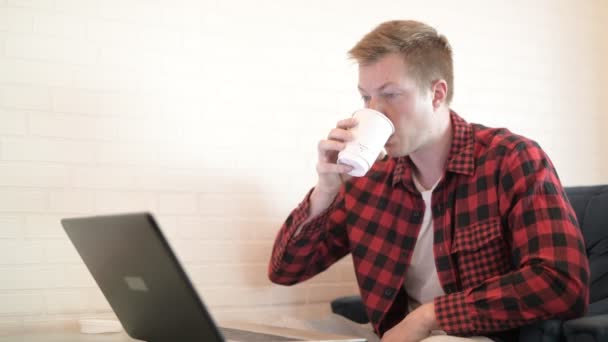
pixel 439 90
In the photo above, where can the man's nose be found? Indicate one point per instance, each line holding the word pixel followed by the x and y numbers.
pixel 375 104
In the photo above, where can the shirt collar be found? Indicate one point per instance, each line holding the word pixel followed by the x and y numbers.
pixel 460 158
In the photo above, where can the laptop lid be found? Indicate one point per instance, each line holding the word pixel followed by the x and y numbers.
pixel 141 278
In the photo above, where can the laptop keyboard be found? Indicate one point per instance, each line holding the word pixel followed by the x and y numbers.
pixel 250 336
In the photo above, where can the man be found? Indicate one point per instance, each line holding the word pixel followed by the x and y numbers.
pixel 461 229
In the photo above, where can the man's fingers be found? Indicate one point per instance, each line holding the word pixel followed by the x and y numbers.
pixel 347 123
pixel 323 168
pixel 340 134
pixel 325 146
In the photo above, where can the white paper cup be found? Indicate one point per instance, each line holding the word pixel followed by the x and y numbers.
pixel 370 136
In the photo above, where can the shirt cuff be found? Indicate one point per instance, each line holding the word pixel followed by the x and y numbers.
pixel 454 314
pixel 301 214
pixel 298 216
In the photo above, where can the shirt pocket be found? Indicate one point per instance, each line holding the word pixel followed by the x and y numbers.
pixel 480 252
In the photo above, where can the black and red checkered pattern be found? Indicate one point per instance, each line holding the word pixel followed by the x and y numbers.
pixel 507 246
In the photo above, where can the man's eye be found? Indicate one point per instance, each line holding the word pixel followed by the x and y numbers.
pixel 390 95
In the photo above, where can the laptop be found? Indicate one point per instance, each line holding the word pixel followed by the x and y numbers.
pixel 144 283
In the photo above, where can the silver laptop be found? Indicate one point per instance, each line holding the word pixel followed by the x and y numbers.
pixel 147 288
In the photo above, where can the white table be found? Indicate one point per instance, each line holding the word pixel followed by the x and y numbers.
pixel 72 335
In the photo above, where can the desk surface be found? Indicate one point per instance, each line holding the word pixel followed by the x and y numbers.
pixel 76 336
pixel 66 337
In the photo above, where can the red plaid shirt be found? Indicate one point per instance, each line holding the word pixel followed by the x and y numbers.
pixel 507 246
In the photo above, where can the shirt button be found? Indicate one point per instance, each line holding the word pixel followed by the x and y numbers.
pixel 388 293
pixel 416 214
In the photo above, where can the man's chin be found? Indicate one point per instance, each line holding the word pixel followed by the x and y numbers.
pixel 393 152
pixel 393 156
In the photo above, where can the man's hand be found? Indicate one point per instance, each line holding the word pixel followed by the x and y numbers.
pixel 331 174
pixel 415 327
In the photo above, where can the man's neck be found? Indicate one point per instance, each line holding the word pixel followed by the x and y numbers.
pixel 430 160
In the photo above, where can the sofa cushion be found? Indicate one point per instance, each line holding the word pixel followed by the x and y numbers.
pixel 587 329
pixel 350 307
pixel 591 206
pixel 599 307
pixel 544 331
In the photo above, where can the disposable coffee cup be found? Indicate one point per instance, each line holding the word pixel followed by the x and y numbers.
pixel 370 136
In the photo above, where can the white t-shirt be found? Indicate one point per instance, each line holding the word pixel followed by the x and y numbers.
pixel 421 279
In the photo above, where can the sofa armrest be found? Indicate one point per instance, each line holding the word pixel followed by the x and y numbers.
pixel 591 328
pixel 598 308
pixel 543 331
pixel 350 307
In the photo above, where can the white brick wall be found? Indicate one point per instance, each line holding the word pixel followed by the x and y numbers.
pixel 59 25
pixel 23 200
pixel 25 97
pixel 37 4
pixel 13 122
pixel 208 116
pixel 178 204
pixel 60 252
pixel 11 226
pixel 21 303
pixel 51 49
pixel 33 175
pixel 71 201
pixel 52 150
pixel 43 226
pixel 36 73
pixel 66 301
pixel 123 201
pixel 72 126
pixel 30 277
pixel 14 252
pixel 15 20
pixel 78 276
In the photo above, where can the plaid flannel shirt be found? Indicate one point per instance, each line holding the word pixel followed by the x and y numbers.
pixel 507 246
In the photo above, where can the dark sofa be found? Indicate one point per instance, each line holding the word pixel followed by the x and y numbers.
pixel 591 206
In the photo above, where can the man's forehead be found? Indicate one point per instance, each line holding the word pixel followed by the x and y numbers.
pixel 389 70
pixel 379 88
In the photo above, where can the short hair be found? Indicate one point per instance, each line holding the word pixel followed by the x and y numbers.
pixel 427 53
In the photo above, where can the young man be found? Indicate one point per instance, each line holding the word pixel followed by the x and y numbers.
pixel 462 229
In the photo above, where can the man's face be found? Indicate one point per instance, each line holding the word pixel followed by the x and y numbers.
pixel 387 87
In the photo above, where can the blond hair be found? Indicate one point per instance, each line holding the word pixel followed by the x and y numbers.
pixel 427 53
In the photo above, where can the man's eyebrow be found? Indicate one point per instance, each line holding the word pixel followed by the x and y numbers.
pixel 380 88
